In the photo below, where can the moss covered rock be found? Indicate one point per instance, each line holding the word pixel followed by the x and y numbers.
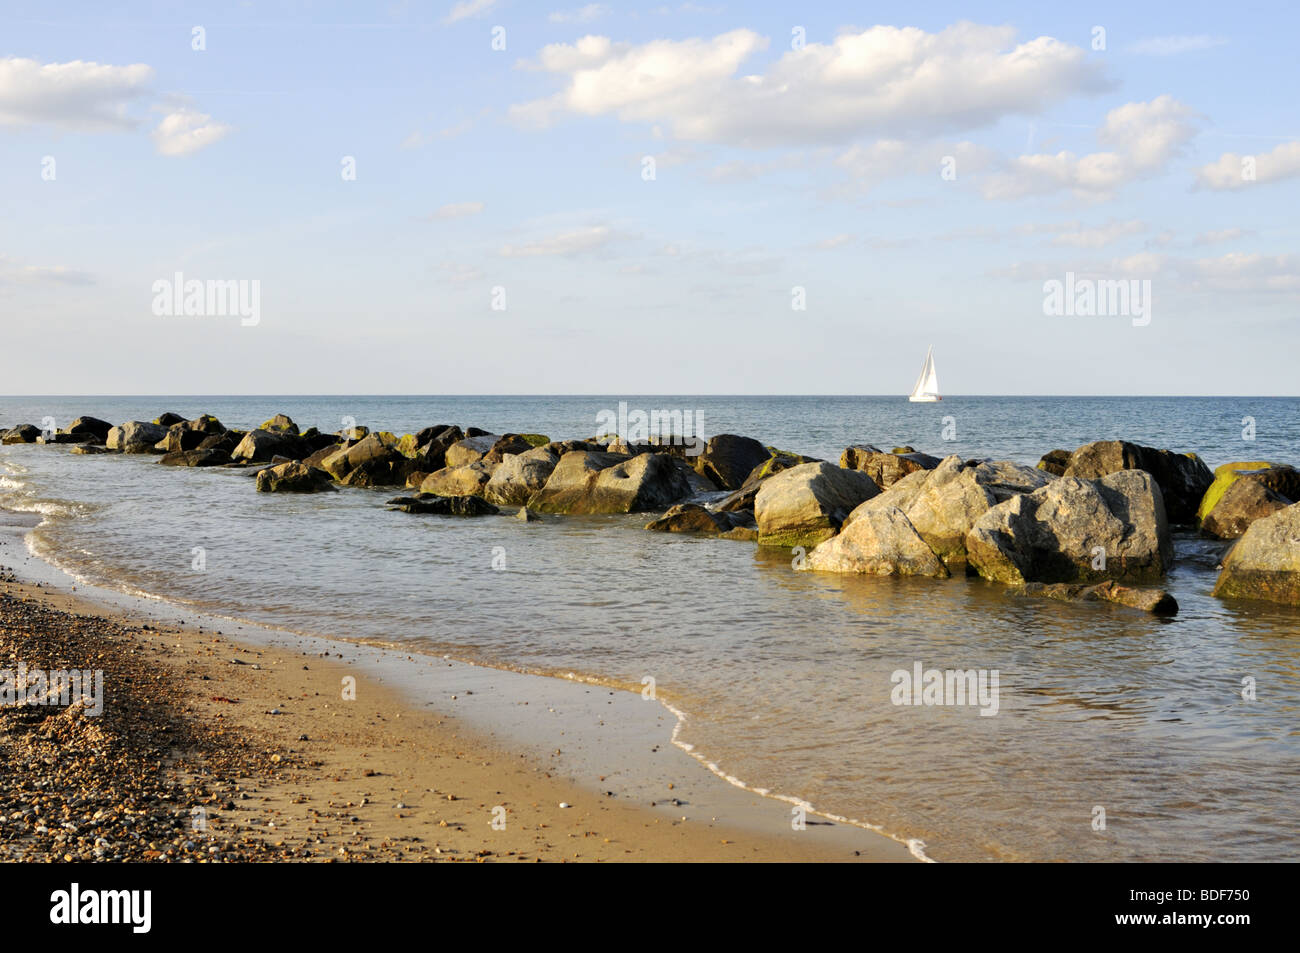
pixel 1224 477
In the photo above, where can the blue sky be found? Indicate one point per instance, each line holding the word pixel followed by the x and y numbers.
pixel 778 165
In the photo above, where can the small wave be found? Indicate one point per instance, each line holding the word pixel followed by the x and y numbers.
pixel 915 846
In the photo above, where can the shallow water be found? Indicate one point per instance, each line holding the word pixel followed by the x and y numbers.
pixel 784 676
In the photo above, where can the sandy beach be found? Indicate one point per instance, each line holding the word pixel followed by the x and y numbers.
pixel 280 767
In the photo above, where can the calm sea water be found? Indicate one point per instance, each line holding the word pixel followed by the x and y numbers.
pixel 784 676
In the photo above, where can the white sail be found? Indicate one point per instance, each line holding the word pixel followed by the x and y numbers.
pixel 927 384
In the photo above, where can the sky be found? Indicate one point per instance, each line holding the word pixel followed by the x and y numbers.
pixel 761 198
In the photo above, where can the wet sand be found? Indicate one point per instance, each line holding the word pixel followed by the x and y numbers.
pixel 257 733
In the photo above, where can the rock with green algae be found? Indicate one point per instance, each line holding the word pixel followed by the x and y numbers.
pixel 280 423
pixel 1224 477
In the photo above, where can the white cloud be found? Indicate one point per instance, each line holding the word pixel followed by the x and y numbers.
pixel 1229 274
pixel 564 244
pixel 1100 235
pixel 1143 138
pixel 1229 171
pixel 469 8
pixel 87 97
pixel 1173 45
pixel 12 272
pixel 458 210
pixel 1214 237
pixel 835 241
pixel 1244 273
pixel 591 11
pixel 459 273
pixel 889 158
pixel 884 81
pixel 184 131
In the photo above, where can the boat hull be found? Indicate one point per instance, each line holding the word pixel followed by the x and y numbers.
pixel 924 400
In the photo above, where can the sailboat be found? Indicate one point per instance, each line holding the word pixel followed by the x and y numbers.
pixel 927 385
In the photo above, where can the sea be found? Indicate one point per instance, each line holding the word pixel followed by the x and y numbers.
pixel 1117 736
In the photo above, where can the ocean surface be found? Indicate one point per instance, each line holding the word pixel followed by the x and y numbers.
pixel 784 677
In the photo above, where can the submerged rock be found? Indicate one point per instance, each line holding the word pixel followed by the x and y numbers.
pixel 1265 563
pixel 1183 477
pixel 444 505
pixel 694 518
pixel 195 458
pixel 526 515
pixel 1076 530
pixel 1155 601
pixel 806 504
pixel 881 542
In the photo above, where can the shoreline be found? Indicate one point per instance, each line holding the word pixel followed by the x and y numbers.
pixel 636 793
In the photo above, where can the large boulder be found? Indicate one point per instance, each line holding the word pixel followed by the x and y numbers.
pixel 1224 477
pixel 261 445
pixel 167 419
pixel 135 436
pixel 23 433
pixel 227 440
pixel 371 461
pixel 882 542
pixel 468 480
pixel 885 469
pixel 728 459
pixel 1074 530
pixel 204 423
pixel 520 475
pixel 444 505
pixel 280 423
pixel 1055 462
pixel 293 477
pixel 594 482
pixel 694 518
pixel 180 437
pixel 1265 563
pixel 470 450
pixel 511 443
pixel 944 503
pixel 806 504
pixel 1250 498
pixel 91 425
pixel 428 448
pixel 1183 477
